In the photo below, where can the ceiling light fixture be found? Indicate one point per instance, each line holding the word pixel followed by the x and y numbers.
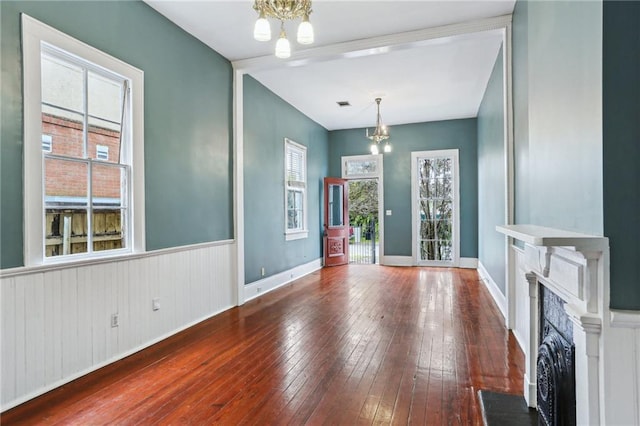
pixel 380 133
pixel 283 10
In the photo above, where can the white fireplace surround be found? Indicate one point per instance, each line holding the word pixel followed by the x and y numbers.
pixel 607 343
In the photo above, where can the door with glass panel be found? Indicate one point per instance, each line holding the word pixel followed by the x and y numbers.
pixel 435 206
pixel 336 223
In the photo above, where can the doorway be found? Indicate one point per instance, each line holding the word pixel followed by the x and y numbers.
pixel 364 232
pixel 435 208
pixel 366 224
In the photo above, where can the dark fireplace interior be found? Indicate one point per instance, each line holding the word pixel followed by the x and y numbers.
pixel 555 363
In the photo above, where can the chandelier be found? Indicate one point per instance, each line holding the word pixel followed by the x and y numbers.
pixel 283 10
pixel 380 133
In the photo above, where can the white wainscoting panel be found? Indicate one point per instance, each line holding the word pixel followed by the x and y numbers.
pixel 56 322
pixel 624 368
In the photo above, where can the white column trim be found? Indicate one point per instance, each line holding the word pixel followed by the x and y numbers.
pixel 531 361
pixel 510 270
pixel 238 178
pixel 586 338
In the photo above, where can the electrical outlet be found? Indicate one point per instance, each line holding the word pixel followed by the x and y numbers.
pixel 114 320
pixel 259 289
pixel 155 304
pixel 262 271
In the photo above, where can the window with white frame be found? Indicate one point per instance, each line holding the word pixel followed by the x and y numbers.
pixel 102 152
pixel 295 190
pixel 47 143
pixel 361 166
pixel 79 201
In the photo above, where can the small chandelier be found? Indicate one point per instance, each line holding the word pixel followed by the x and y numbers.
pixel 283 10
pixel 381 133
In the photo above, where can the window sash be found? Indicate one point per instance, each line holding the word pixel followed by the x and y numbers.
pixel 295 209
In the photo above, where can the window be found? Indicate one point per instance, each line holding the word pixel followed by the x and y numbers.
pixel 361 166
pixel 47 141
pixel 295 190
pixel 102 152
pixel 80 202
pixel 435 203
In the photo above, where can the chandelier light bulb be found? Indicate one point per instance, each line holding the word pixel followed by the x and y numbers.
pixel 387 147
pixel 305 31
pixel 374 149
pixel 283 11
pixel 262 29
pixel 283 48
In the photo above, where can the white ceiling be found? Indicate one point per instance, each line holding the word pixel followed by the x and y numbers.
pixel 352 60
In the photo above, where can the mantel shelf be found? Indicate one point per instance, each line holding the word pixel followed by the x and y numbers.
pixel 552 237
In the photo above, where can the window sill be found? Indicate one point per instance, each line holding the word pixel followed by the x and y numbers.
pixel 297 235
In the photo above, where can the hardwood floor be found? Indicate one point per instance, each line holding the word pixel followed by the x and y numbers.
pixel 352 344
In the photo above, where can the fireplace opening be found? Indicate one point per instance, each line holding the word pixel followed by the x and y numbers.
pixel 556 389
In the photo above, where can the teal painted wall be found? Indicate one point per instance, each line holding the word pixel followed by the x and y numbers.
pixel 621 148
pixel 188 101
pixel 461 134
pixel 267 121
pixel 492 177
pixel 576 76
pixel 562 178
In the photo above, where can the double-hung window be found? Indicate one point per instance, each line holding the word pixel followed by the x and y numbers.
pixel 295 190
pixel 84 178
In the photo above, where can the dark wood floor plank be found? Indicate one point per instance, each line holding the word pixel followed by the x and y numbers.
pixel 345 345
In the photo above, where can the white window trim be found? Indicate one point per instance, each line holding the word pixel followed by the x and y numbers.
pixel 297 234
pixel 34 33
pixel 450 153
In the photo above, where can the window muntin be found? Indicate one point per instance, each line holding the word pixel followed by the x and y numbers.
pixel 295 190
pixel 70 86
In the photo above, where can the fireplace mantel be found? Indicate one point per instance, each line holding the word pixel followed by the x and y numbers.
pixel 542 236
pixel 575 267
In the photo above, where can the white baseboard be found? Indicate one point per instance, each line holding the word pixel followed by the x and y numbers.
pixel 465 262
pixel 265 285
pixel 530 392
pixel 396 261
pixel 519 339
pixel 494 290
pixel 468 263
